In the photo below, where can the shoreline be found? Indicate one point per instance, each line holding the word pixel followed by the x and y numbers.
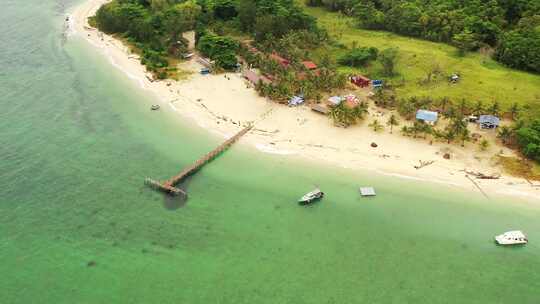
pixel 221 104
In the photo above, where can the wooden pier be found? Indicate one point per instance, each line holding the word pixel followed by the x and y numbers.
pixel 168 186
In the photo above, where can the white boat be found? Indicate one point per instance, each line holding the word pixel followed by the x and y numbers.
pixel 515 237
pixel 154 107
pixel 311 197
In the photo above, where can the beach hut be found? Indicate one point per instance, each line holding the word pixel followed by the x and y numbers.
pixel 377 83
pixel 251 76
pixel 360 81
pixel 335 100
pixel 254 78
pixel 296 100
pixel 310 65
pixel 282 61
pixel 488 121
pixel 429 117
pixel 352 101
pixel 323 109
pixel 367 191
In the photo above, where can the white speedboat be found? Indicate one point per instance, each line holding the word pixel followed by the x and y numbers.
pixel 515 237
pixel 154 107
pixel 310 197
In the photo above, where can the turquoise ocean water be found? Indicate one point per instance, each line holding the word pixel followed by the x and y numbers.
pixel 77 224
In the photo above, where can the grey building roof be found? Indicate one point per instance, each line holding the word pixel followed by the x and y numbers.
pixel 489 119
pixel 427 115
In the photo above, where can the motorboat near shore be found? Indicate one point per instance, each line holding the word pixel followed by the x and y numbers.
pixel 515 237
pixel 311 197
pixel 154 107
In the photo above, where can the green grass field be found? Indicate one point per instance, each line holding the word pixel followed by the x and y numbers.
pixel 482 78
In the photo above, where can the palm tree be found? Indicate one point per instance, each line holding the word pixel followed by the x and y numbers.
pixel 495 108
pixel 406 131
pixel 514 110
pixel 484 144
pixel 456 128
pixel 376 126
pixel 505 133
pixel 343 115
pixel 462 106
pixel 465 135
pixel 392 121
pixel 448 135
pixel 443 103
pixel 478 108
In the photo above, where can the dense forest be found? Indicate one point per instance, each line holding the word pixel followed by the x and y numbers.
pixel 224 29
pixel 510 28
pixel 155 26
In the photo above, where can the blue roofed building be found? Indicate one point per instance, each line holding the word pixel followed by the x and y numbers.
pixel 488 121
pixel 429 117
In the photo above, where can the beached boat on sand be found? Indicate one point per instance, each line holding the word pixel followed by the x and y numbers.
pixel 515 237
pixel 311 197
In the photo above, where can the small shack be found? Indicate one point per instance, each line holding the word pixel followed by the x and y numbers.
pixel 377 83
pixel 351 101
pixel 367 191
pixel 282 61
pixel 488 121
pixel 310 65
pixel 252 77
pixel 296 101
pixel 323 109
pixel 360 81
pixel 335 100
pixel 428 117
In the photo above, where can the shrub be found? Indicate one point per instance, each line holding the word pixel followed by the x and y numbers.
pixel 358 57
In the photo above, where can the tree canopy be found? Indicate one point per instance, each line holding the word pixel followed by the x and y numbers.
pixel 509 26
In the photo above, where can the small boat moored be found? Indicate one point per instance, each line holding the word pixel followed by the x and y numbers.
pixel 154 107
pixel 311 197
pixel 515 237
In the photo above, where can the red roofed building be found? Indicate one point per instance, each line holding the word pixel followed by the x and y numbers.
pixel 310 65
pixel 282 61
pixel 254 78
pixel 360 81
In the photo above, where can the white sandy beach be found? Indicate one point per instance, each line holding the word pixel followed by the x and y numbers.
pixel 223 103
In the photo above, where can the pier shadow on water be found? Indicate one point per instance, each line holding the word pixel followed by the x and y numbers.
pixel 174 202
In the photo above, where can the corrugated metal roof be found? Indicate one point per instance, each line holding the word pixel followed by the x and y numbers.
pixel 490 119
pixel 427 115
pixel 335 100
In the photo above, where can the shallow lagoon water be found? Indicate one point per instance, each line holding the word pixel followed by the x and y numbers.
pixel 77 225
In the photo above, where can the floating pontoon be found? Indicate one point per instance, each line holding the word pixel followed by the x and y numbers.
pixel 367 191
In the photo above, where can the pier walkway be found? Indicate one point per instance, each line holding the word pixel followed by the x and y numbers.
pixel 169 185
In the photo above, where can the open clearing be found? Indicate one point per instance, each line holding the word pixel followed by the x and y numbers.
pixel 482 78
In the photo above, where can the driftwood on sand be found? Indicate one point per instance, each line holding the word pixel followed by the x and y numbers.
pixel 481 175
pixel 531 183
pixel 423 164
